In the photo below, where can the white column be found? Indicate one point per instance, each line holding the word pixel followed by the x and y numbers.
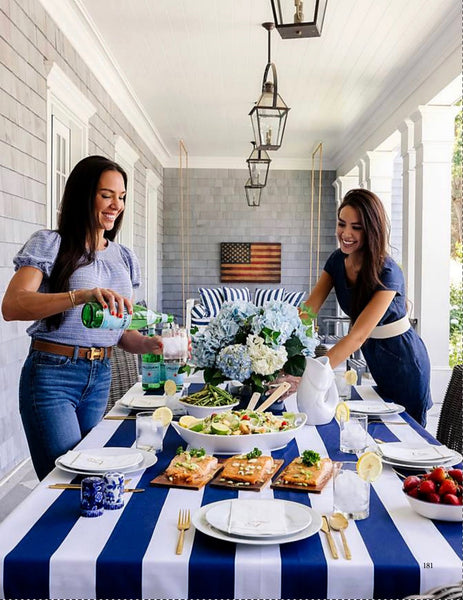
pixel 343 184
pixel 434 139
pixel 378 165
pixel 408 154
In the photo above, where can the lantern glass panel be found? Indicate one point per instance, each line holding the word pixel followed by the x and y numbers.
pixel 299 21
pixel 252 194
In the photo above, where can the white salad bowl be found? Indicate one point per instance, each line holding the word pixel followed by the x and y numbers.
pixel 239 444
pixel 204 411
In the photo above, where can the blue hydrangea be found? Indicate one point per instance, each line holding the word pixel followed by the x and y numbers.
pixel 234 362
pixel 277 316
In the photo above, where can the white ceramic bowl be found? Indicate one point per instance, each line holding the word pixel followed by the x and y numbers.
pixel 439 512
pixel 239 444
pixel 204 411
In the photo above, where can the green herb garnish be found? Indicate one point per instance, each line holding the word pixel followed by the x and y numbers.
pixel 179 450
pixel 254 453
pixel 197 452
pixel 311 458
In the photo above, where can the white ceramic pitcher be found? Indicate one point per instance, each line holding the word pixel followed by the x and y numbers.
pixel 317 395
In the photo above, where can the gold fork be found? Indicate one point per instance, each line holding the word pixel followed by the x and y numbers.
pixel 182 525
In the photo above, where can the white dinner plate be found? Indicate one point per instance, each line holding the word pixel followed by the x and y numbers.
pixel 374 407
pixel 297 517
pixel 149 459
pixel 200 522
pixel 413 466
pixel 409 452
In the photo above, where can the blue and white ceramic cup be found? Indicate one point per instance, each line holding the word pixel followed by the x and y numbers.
pixel 114 490
pixel 92 497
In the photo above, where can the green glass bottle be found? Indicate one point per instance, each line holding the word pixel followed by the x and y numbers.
pixel 95 316
pixel 151 368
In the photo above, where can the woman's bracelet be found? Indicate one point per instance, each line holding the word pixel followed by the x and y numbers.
pixel 72 298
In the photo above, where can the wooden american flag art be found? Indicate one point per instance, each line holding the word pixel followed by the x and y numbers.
pixel 252 262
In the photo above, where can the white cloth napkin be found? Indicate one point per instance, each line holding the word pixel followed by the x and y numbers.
pixel 371 406
pixel 257 517
pixel 409 453
pixel 99 462
pixel 145 401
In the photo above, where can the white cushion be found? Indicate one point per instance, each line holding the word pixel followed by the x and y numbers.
pixel 232 294
pixel 212 299
pixel 264 295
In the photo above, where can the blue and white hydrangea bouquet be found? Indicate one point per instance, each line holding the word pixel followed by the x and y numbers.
pixel 252 344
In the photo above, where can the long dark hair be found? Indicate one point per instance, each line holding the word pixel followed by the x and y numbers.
pixel 77 223
pixel 375 225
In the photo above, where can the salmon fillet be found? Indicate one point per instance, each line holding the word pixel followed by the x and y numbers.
pixel 191 470
pixel 297 473
pixel 252 470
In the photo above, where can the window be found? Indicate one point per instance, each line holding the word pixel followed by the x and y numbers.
pixel 126 157
pixel 69 112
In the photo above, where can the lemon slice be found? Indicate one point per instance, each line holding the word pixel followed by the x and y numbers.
pixel 351 377
pixel 369 466
pixel 342 412
pixel 170 387
pixel 187 421
pixel 163 414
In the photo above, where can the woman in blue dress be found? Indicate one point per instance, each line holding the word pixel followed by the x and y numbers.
pixel 370 289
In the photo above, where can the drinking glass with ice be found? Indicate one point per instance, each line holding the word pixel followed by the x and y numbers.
pixel 149 432
pixel 353 434
pixel 351 493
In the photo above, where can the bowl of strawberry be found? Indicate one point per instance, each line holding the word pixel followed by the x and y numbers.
pixel 436 495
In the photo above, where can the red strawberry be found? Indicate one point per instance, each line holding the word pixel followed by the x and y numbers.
pixel 433 498
pixel 456 474
pixel 438 474
pixel 413 492
pixel 427 487
pixel 451 499
pixel 411 482
pixel 447 487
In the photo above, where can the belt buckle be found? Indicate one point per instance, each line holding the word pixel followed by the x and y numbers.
pixel 95 354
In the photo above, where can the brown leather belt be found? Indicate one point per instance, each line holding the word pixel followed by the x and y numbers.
pixel 64 350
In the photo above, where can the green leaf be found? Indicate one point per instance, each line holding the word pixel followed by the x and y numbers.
pixel 295 366
pixel 293 346
pixel 213 376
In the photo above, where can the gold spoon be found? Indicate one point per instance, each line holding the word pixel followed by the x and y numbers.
pixel 338 522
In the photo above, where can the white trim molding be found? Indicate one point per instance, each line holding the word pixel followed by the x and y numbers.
pixel 69 94
pixel 76 24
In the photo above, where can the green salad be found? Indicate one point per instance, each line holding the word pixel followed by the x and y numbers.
pixel 243 422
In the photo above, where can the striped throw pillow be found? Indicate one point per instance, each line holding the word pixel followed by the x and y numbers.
pixel 199 315
pixel 212 299
pixel 294 298
pixel 232 294
pixel 264 295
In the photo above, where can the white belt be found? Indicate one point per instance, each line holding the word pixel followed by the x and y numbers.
pixel 383 332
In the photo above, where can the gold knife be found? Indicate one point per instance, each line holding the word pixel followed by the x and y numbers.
pixel 326 529
pixel 119 417
pixel 76 486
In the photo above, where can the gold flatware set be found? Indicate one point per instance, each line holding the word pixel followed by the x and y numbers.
pixel 77 486
pixel 337 522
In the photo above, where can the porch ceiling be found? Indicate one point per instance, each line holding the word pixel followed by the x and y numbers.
pixel 196 67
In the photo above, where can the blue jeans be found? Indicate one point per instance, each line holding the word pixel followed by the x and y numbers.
pixel 60 399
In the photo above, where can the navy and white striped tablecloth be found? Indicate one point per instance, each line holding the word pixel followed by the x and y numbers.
pixel 48 551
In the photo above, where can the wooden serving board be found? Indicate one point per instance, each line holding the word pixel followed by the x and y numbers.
pixel 217 481
pixel 278 484
pixel 163 481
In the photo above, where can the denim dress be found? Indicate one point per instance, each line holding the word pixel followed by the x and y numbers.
pixel 400 365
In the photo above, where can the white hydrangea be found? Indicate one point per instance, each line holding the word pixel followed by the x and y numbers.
pixel 265 360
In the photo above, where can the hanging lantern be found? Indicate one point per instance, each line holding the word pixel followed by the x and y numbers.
pixel 268 117
pixel 258 165
pixel 253 193
pixel 294 20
